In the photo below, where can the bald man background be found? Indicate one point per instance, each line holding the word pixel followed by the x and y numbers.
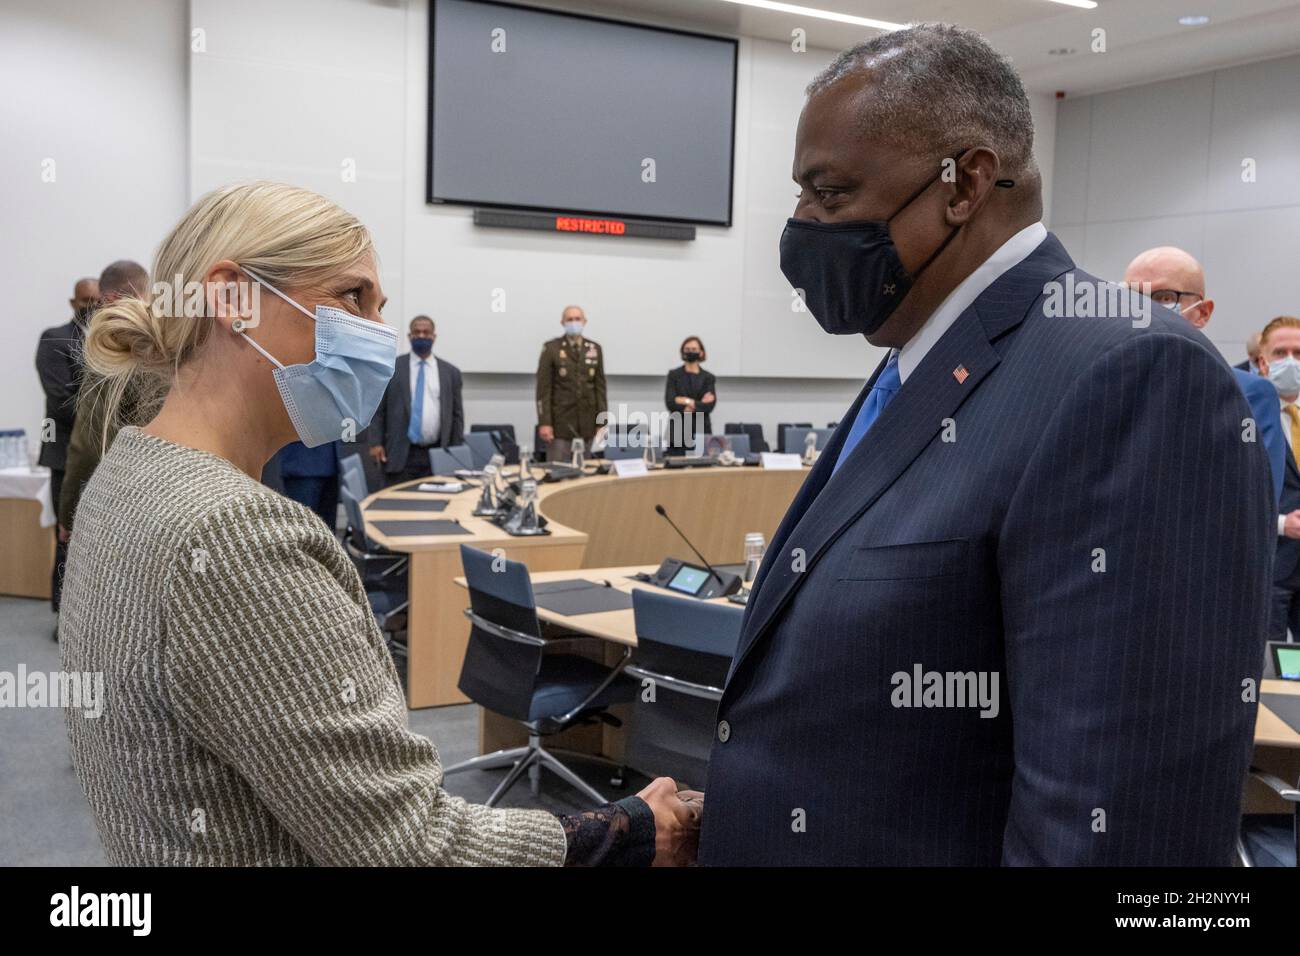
pixel 1177 281
pixel 58 365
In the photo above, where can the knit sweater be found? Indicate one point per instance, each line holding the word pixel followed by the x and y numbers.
pixel 252 714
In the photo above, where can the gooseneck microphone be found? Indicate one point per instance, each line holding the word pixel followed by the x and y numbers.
pixel 659 509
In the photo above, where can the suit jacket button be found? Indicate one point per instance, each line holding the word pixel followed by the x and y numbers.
pixel 724 731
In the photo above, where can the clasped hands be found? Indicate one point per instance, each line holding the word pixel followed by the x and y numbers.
pixel 677 821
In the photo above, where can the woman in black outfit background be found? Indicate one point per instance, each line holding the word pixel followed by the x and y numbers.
pixel 690 390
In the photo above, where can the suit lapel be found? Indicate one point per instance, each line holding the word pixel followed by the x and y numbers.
pixel 950 372
pixel 444 404
pixel 402 377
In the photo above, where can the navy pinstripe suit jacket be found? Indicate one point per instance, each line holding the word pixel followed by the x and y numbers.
pixel 1095 532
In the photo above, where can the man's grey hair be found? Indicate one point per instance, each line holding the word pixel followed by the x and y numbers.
pixel 123 279
pixel 940 89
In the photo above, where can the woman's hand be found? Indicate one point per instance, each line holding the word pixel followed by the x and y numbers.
pixel 677 821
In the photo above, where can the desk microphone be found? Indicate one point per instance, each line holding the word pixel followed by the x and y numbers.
pixel 704 561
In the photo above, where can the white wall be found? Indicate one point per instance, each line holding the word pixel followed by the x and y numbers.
pixel 100 90
pixel 1161 164
pixel 306 90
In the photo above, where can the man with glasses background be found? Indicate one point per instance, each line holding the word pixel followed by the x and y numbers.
pixel 1174 279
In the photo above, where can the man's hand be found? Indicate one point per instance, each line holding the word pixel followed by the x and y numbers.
pixel 546 433
pixel 377 455
pixel 64 535
pixel 677 821
pixel 1291 527
pixel 708 397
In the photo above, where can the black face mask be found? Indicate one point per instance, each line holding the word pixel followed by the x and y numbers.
pixel 691 356
pixel 850 273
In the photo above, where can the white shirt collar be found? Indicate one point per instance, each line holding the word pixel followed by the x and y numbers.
pixel 415 359
pixel 1010 254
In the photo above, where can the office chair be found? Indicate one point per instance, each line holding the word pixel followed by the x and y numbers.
pixel 794 436
pixel 383 574
pixel 782 433
pixel 445 462
pixel 623 442
pixel 618 452
pixel 738 445
pixel 512 670
pixel 757 443
pixel 503 440
pixel 1271 839
pixel 684 647
pixel 481 449
pixel 352 476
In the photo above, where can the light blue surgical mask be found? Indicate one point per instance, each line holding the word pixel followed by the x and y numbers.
pixel 1284 373
pixel 340 389
pixel 574 328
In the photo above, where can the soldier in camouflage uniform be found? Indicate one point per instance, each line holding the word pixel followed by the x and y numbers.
pixel 570 387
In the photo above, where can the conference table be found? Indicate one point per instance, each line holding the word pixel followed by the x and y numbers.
pixel 605 528
pixel 598 520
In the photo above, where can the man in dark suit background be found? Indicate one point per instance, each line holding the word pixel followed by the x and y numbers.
pixel 404 429
pixel 1010 614
pixel 1278 361
pixel 58 365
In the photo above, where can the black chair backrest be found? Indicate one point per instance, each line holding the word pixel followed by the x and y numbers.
pixel 689 640
pixel 500 673
pixel 757 443
pixel 684 637
pixel 781 436
pixel 356 522
pixel 503 437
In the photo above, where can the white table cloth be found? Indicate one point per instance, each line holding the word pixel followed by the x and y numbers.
pixel 32 484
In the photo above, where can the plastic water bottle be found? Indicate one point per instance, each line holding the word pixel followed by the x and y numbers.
pixel 755 548
pixel 8 449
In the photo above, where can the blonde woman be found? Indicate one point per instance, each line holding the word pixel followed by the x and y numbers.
pixel 253 714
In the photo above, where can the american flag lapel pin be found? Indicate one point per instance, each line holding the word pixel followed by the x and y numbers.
pixel 960 373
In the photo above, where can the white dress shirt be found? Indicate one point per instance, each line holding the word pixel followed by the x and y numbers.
pixel 1011 253
pixel 431 423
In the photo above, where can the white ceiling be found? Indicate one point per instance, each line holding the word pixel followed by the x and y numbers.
pixel 1144 41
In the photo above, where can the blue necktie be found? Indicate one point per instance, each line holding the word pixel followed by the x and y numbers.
pixel 417 407
pixel 881 394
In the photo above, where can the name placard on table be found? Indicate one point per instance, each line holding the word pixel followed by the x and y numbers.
pixel 781 461
pixel 629 467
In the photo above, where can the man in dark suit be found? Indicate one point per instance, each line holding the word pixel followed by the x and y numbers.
pixel 1013 613
pixel 406 427
pixel 91 435
pixel 58 365
pixel 1278 361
